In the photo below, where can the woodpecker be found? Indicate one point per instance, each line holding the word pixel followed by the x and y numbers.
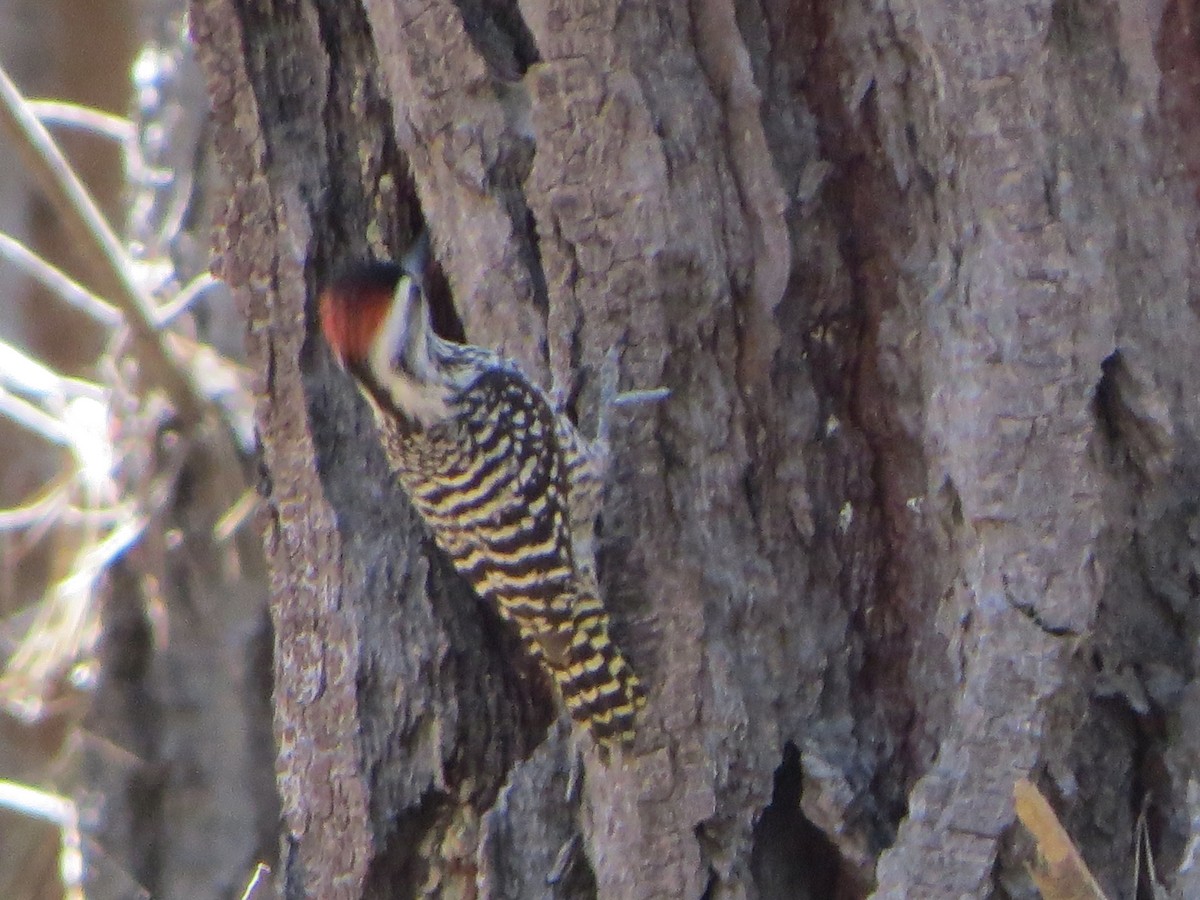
pixel 508 486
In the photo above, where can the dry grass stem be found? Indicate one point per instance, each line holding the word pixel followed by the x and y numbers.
pixel 1143 851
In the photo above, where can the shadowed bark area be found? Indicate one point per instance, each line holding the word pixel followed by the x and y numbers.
pixel 919 517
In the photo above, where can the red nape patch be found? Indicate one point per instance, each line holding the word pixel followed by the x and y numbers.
pixel 353 307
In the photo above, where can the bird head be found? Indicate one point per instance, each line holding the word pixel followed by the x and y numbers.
pixel 376 320
pixel 354 307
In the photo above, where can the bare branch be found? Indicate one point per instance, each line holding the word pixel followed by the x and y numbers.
pixel 49 504
pixel 191 292
pixel 99 245
pixel 36 803
pixel 60 811
pixel 57 282
pixel 84 118
pixel 33 418
pixel 237 516
pixel 25 375
pixel 261 885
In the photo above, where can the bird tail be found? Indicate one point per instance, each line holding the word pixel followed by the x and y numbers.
pixel 601 691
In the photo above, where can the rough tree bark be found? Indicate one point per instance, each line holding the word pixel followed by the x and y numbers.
pixel 919 518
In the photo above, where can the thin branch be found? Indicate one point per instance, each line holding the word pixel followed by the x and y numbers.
pixel 36 804
pixel 55 281
pixel 236 516
pixel 260 885
pixel 92 563
pixel 49 504
pixel 23 373
pixel 32 417
pixel 84 118
pixel 99 245
pixel 63 628
pixel 60 811
pixel 191 292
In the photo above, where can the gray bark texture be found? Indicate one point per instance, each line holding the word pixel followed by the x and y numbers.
pixel 919 518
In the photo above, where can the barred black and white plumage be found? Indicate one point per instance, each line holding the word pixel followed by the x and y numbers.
pixel 508 486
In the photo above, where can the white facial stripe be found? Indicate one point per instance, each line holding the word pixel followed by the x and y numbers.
pixel 391 333
pixel 413 388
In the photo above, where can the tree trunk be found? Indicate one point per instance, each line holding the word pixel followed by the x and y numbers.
pixel 919 517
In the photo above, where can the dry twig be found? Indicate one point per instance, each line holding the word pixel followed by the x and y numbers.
pixel 99 245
